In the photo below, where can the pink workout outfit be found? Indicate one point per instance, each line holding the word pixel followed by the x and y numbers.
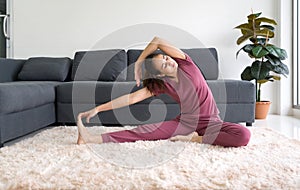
pixel 198 112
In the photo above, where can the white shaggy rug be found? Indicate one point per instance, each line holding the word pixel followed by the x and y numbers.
pixel 52 160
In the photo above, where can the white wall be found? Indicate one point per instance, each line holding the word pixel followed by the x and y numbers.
pixel 62 27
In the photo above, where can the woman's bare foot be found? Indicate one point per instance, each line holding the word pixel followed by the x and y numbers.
pixel 80 140
pixel 193 137
pixel 84 136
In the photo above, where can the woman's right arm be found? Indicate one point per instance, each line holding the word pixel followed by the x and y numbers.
pixel 156 43
pixel 119 102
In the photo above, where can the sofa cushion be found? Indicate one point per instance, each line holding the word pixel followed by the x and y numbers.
pixel 205 58
pixel 45 69
pixel 22 95
pixel 102 65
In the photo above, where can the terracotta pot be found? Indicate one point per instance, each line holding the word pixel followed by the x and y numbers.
pixel 262 109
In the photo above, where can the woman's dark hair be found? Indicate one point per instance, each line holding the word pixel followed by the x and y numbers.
pixel 152 81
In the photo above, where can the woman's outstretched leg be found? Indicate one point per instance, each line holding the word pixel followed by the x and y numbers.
pixel 157 131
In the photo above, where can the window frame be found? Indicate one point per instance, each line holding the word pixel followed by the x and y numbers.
pixel 296 52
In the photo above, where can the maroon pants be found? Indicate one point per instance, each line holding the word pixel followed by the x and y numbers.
pixel 214 131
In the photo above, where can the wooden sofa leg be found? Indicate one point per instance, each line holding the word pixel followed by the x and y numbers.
pixel 249 124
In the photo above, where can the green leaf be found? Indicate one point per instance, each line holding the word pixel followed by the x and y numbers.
pixel 246 74
pixel 268 65
pixel 255 69
pixel 269 27
pixel 277 52
pixel 259 70
pixel 281 69
pixel 237 53
pixel 243 38
pixel 247 48
pixel 265 33
pixel 274 61
pixel 261 41
pixel 251 56
pixel 245 28
pixel 275 77
pixel 267 20
pixel 259 51
pixel 253 16
pixel 270 78
pixel 262 81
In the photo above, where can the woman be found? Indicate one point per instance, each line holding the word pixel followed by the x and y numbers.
pixel 175 74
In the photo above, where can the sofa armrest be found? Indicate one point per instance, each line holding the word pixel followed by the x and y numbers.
pixel 9 69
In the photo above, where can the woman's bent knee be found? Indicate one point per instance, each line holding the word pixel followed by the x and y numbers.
pixel 244 137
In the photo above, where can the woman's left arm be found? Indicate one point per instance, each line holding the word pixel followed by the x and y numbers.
pixel 119 102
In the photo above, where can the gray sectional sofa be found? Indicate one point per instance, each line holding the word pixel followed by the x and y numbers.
pixel 42 91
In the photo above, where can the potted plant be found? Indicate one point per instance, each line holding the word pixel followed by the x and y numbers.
pixel 267 65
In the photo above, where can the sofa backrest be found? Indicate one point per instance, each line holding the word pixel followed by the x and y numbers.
pixel 205 58
pixel 9 69
pixel 207 61
pixel 109 65
pixel 100 65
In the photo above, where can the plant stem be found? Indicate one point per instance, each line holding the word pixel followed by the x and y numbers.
pixel 254 31
pixel 267 39
pixel 256 91
pixel 258 96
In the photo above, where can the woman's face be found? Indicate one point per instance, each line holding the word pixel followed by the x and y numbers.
pixel 165 65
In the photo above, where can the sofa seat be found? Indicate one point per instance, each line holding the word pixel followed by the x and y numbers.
pixel 25 106
pixel 23 95
pixel 75 97
pixel 231 97
pixel 231 91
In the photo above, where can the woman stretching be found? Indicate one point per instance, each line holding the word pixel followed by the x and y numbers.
pixel 175 74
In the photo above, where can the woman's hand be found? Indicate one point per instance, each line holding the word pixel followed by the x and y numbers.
pixel 88 114
pixel 138 72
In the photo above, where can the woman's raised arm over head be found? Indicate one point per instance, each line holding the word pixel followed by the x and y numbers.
pixel 156 43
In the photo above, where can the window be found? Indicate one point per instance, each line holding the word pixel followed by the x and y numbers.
pixel 296 58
